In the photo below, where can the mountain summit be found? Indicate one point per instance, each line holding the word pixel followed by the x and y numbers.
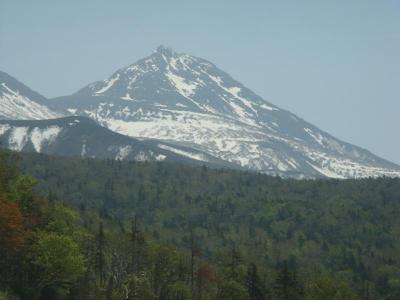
pixel 164 50
pixel 188 101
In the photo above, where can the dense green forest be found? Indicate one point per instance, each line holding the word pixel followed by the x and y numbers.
pixel 91 229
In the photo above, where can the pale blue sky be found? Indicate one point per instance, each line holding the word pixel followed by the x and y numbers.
pixel 333 63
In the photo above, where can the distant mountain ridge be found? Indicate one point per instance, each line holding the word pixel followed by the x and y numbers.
pixel 189 103
pixel 18 102
pixel 83 137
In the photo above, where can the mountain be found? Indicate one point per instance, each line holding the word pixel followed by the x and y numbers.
pixel 80 136
pixel 188 101
pixel 18 102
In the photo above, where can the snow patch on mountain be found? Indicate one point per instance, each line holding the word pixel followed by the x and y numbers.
pixel 267 107
pixel 14 105
pixel 141 156
pixel 4 128
pixel 42 136
pixel 184 88
pixel 326 172
pixel 123 152
pixel 108 84
pixel 184 153
pixel 72 110
pixel 316 136
pixel 127 97
pixel 20 136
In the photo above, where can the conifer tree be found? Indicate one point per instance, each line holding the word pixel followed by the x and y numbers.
pixel 255 287
pixel 100 256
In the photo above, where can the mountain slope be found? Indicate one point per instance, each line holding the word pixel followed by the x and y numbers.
pixel 188 101
pixel 80 136
pixel 18 102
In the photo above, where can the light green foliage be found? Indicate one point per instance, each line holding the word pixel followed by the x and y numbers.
pixel 3 296
pixel 67 222
pixel 59 257
pixel 21 191
pixel 326 288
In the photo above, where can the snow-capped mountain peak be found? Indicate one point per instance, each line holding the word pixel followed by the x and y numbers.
pixel 189 101
pixel 180 81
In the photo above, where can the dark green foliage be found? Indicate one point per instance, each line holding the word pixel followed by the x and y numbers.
pixel 255 287
pixel 287 286
pixel 100 259
pixel 221 234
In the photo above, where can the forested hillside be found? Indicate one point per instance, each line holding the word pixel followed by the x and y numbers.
pixel 93 229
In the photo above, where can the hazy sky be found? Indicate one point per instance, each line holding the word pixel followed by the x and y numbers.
pixel 334 63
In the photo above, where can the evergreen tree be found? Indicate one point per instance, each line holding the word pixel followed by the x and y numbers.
pixel 100 255
pixel 254 284
pixel 287 286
